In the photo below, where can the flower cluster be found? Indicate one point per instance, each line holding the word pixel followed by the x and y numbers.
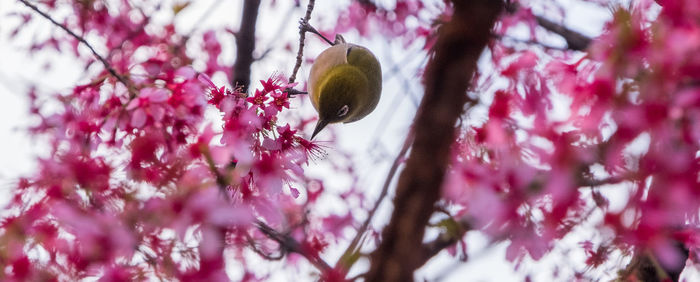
pixel 139 183
pixel 532 176
pixel 407 20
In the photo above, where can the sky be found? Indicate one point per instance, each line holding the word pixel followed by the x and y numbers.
pixel 373 141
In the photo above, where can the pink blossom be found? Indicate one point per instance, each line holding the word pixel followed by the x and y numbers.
pixel 148 105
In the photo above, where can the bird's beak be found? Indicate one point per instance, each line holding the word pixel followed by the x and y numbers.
pixel 319 126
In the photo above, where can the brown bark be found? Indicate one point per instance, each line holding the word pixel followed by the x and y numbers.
pixel 245 44
pixel 574 40
pixel 447 76
pixel 645 266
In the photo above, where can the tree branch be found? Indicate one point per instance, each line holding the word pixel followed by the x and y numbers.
pixel 302 37
pixel 245 45
pixel 287 243
pixel 645 266
pixel 585 182
pixel 207 13
pixel 104 62
pixel 443 241
pixel 447 76
pixel 574 40
pixel 530 42
pixel 353 247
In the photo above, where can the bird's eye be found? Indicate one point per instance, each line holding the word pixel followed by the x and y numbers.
pixel 343 111
pixel 348 53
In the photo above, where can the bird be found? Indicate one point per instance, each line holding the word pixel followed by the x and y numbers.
pixel 344 84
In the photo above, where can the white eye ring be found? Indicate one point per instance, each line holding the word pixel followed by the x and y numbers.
pixel 343 111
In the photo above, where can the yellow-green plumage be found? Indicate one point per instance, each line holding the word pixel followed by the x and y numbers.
pixel 344 84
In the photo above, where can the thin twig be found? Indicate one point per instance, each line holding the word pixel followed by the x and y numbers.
pixel 443 241
pixel 286 242
pixel 292 92
pixel 203 17
pixel 106 64
pixel 278 33
pixel 291 245
pixel 263 55
pixel 385 190
pixel 221 180
pixel 574 40
pixel 302 37
pixel 260 252
pixel 629 177
pixel 407 90
pixel 530 42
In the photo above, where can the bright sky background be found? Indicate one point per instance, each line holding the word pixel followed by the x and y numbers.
pixel 374 140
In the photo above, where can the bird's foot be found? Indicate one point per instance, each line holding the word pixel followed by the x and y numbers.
pixel 305 26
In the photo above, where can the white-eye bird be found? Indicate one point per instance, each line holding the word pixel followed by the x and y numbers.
pixel 345 83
